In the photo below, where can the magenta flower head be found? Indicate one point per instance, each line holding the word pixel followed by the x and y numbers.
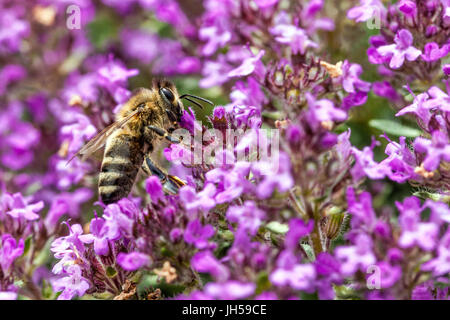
pixel 20 208
pixel 436 150
pixel 366 10
pixel 197 234
pixel 247 216
pixel 133 261
pixel 446 69
pixel 295 37
pixel 415 232
pixel 432 52
pixel 407 7
pixel 230 290
pixel 74 284
pixel 297 230
pixel 401 50
pixel 266 3
pixel 154 188
pixel 10 250
pixel 248 66
pixel 206 262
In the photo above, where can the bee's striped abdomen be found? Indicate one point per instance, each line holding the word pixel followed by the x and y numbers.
pixel 121 162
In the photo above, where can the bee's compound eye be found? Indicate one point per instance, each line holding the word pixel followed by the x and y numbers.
pixel 168 94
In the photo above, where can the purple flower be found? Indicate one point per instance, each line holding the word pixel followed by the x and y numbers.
pixel 440 212
pixel 297 230
pixel 266 295
pixel 439 99
pixel 327 265
pixel 248 93
pixel 310 20
pixel 247 216
pixel 361 209
pixel 354 99
pixel 198 201
pixel 230 290
pixel 297 276
pixel 205 262
pixel 97 236
pixel 72 284
pixel 419 108
pixel 12 29
pixel 384 89
pixel 10 250
pixel 215 72
pixel 296 38
pixel 9 74
pixel 356 257
pixel 68 244
pixel 133 261
pixel 323 110
pixel 350 78
pixel 402 49
pixel 389 274
pixel 365 165
pixel 366 10
pixel 135 40
pixel 214 37
pixel 231 184
pixel 432 52
pixel 436 150
pixel 423 291
pixel 401 162
pixel 446 69
pixel 154 188
pixel 17 144
pixel 441 264
pixel 114 73
pixel 408 7
pixel 279 178
pixel 248 66
pixel 20 208
pixel 415 232
pixel 262 4
pixel 197 234
pixel 117 223
pixel 78 133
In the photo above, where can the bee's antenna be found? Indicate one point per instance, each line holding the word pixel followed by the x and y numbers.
pixel 195 102
pixel 195 97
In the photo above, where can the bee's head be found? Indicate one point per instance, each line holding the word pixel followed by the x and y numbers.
pixel 172 100
pixel 169 99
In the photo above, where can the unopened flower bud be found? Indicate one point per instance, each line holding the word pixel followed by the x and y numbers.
pixel 333 224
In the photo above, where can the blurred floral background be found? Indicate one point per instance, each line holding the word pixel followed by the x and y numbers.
pixel 358 209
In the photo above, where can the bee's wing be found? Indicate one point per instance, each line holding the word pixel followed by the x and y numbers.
pixel 99 140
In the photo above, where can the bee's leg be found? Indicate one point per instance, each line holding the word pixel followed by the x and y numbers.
pixel 163 133
pixel 171 115
pixel 170 183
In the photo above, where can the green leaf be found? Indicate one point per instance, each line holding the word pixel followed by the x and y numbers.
pixel 277 227
pixel 27 245
pixel 394 128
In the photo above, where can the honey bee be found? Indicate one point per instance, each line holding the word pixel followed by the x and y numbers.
pixel 149 116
